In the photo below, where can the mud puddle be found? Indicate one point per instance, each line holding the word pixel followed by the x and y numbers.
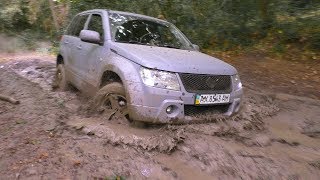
pixel 166 138
pixel 162 138
pixel 274 137
pixel 38 71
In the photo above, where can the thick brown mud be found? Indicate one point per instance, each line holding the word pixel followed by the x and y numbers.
pixel 51 134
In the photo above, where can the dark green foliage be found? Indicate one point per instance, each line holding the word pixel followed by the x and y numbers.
pixel 215 24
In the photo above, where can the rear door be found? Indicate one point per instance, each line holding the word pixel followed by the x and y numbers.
pixel 74 42
pixel 65 46
pixel 67 41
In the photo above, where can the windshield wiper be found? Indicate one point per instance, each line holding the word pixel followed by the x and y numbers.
pixel 169 46
pixel 136 42
pixel 132 42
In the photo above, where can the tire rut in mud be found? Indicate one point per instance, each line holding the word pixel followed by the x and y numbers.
pixel 165 138
pixel 202 145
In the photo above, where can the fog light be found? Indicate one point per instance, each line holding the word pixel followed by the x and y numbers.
pixel 169 109
pixel 237 107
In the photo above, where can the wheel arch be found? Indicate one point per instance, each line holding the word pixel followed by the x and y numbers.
pixel 59 60
pixel 127 73
pixel 109 76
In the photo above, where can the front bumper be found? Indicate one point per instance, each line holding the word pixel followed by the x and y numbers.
pixel 149 104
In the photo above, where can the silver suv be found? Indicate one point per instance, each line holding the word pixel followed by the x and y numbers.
pixel 144 68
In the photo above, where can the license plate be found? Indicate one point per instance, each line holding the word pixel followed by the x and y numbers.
pixel 212 99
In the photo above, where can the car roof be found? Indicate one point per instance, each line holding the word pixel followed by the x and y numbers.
pixel 124 13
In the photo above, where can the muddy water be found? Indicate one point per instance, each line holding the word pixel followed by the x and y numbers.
pixel 161 140
pixel 183 169
pixel 264 141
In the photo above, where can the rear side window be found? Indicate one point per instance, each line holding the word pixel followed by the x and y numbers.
pixel 77 25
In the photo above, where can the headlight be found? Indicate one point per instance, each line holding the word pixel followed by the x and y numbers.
pixel 159 79
pixel 236 81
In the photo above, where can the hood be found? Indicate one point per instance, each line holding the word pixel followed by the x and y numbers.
pixel 172 60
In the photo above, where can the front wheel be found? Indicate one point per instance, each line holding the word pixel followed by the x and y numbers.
pixel 113 96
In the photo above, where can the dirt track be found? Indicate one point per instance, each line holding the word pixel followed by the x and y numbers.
pixel 51 135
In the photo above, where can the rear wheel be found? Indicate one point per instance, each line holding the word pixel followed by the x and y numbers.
pixel 60 80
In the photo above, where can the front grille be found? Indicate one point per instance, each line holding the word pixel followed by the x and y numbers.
pixel 198 83
pixel 196 111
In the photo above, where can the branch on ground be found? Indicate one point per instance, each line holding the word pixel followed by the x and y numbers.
pixel 9 99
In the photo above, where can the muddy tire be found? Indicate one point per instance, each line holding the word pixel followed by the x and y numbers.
pixel 112 96
pixel 60 81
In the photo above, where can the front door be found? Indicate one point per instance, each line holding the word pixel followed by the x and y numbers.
pixel 91 55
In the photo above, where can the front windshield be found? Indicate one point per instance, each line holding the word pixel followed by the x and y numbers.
pixel 137 30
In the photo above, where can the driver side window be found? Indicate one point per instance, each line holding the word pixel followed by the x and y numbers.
pixel 95 24
pixel 77 25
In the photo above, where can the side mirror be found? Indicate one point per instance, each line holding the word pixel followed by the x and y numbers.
pixel 196 47
pixel 90 36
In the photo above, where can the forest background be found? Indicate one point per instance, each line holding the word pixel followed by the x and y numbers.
pixel 288 29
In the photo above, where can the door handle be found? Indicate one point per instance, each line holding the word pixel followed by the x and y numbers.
pixel 66 42
pixel 79 47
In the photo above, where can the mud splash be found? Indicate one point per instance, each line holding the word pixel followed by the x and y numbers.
pixel 164 138
pixel 161 140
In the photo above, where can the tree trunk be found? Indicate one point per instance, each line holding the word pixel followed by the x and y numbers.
pixel 54 16
pixel 265 14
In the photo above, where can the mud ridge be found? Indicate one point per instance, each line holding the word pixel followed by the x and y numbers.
pixel 161 140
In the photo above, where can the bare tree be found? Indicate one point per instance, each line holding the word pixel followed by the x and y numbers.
pixel 54 16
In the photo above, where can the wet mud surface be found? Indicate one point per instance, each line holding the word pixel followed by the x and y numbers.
pixel 51 135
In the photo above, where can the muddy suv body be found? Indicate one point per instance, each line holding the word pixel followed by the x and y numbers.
pixel 144 67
